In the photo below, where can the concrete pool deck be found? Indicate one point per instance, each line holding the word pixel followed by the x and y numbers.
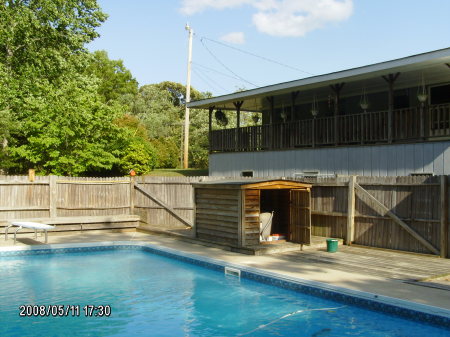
pixel 386 273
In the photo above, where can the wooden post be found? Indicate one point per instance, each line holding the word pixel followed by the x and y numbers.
pixel 211 109
pixel 349 238
pixel 444 217
pixel 272 108
pixel 313 132
pixel 31 175
pixel 132 193
pixel 238 106
pixel 294 95
pixel 390 79
pixel 237 140
pixel 271 113
pixel 53 195
pixel 337 92
pixel 422 120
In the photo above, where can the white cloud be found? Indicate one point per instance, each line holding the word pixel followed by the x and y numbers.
pixel 234 37
pixel 298 17
pixel 282 17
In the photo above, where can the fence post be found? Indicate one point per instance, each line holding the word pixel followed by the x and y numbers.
pixel 349 237
pixel 53 190
pixel 444 217
pixel 132 194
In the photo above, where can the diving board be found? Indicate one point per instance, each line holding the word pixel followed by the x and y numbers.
pixel 28 224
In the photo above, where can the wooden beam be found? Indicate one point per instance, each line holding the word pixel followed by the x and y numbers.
pixel 444 216
pixel 351 211
pixel 163 204
pixel 238 106
pixel 373 202
pixel 390 79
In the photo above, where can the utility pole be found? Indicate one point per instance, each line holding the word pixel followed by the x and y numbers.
pixel 188 99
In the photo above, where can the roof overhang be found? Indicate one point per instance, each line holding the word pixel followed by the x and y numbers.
pixel 434 66
pixel 249 183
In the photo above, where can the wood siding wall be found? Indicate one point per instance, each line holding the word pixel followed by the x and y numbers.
pixel 251 217
pixel 372 160
pixel 217 215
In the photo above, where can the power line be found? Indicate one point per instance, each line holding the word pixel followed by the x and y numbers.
pixel 223 65
pixel 255 55
pixel 214 70
pixel 209 81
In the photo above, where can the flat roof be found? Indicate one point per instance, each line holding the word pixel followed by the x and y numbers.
pixel 417 62
pixel 254 183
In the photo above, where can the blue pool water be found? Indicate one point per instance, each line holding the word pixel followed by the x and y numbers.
pixel 152 295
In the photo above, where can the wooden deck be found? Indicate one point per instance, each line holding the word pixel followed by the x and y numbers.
pixel 378 262
pixel 402 266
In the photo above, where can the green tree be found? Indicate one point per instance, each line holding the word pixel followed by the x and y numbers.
pixel 137 152
pixel 161 108
pixel 64 126
pixel 116 81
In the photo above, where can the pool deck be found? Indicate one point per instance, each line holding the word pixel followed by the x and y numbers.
pixel 395 274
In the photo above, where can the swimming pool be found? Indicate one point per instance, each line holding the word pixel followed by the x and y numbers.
pixel 150 294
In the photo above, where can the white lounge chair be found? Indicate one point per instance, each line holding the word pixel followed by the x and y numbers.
pixel 265 225
pixel 27 224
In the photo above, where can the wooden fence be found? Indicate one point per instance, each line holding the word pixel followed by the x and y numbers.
pixel 404 213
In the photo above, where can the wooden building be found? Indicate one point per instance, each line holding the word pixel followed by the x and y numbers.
pixel 385 119
pixel 227 211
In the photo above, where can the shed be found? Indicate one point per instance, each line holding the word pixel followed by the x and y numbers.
pixel 228 211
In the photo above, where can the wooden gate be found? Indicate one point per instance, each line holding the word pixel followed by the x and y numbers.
pixel 300 216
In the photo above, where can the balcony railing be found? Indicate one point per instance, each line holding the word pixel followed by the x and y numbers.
pixel 407 125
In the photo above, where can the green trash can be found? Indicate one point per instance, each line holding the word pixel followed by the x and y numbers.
pixel 332 245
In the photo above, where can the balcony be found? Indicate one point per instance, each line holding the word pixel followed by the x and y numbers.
pixel 414 124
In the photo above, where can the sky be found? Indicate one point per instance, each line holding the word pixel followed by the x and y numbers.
pixel 244 44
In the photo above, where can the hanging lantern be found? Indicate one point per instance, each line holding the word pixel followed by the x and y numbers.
pixel 422 95
pixel 364 102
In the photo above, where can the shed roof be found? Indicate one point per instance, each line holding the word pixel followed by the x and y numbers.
pixel 253 184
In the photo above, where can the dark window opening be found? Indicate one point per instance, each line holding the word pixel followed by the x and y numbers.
pixel 440 94
pixel 247 173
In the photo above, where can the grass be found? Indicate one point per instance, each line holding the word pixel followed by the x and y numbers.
pixel 179 172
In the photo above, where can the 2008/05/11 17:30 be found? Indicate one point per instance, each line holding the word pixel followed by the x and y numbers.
pixel 59 310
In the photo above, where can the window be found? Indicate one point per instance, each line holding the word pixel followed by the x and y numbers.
pixel 440 94
pixel 247 174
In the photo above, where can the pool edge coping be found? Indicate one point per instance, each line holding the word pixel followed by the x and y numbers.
pixel 423 309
